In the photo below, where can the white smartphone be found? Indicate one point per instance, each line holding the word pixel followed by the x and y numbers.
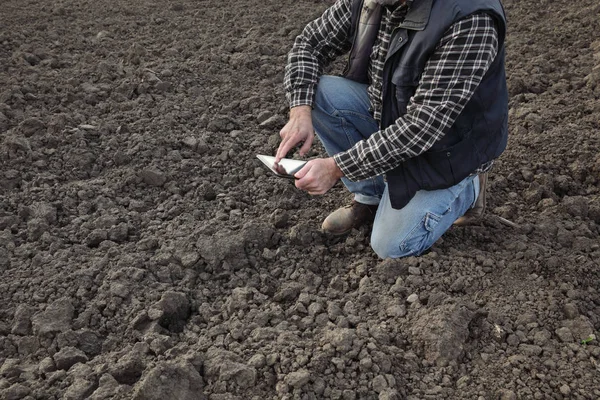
pixel 286 168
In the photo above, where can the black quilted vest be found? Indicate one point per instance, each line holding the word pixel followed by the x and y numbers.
pixel 480 132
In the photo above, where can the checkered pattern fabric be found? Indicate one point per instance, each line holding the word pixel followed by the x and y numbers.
pixel 450 78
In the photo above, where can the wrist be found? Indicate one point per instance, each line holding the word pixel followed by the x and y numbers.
pixel 300 111
pixel 337 172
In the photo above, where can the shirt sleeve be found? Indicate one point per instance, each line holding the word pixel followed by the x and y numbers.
pixel 451 76
pixel 319 43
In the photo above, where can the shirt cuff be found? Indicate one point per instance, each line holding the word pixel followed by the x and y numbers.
pixel 346 164
pixel 301 97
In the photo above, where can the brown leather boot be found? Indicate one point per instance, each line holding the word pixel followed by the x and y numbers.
pixel 344 219
pixel 474 214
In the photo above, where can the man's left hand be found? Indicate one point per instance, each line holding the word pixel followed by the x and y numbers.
pixel 318 176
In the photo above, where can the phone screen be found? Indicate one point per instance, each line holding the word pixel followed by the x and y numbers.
pixel 285 168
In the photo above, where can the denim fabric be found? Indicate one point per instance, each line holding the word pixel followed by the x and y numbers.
pixel 413 229
pixel 341 118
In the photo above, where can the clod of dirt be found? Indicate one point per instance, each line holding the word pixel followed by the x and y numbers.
pixel 223 248
pixel 57 317
pixel 225 366
pixel 22 320
pixel 298 379
pixel 80 389
pixel 131 366
pixel 16 392
pixel 109 388
pixel 442 332
pixel 577 206
pixel 32 126
pixel 153 177
pixel 11 368
pixel 91 96
pixel 171 311
pixel 274 122
pixel 66 357
pixel 169 380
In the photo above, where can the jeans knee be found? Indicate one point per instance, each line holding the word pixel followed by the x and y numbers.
pixel 386 247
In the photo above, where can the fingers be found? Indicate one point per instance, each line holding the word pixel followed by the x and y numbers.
pixel 298 130
pixel 284 147
pixel 303 171
pixel 317 176
pixel 306 146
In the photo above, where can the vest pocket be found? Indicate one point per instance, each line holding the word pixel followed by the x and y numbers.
pixel 449 166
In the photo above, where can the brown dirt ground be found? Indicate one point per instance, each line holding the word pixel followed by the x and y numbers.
pixel 144 252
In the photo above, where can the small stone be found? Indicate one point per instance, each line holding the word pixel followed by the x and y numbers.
pixel 298 379
pixel 413 298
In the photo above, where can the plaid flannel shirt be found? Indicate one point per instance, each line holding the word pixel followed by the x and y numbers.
pixel 451 76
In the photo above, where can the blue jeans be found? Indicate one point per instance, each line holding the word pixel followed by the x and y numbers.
pixel 341 118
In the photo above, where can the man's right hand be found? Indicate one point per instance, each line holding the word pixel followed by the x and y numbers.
pixel 299 129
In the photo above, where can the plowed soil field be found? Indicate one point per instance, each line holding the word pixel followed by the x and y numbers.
pixel 146 254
